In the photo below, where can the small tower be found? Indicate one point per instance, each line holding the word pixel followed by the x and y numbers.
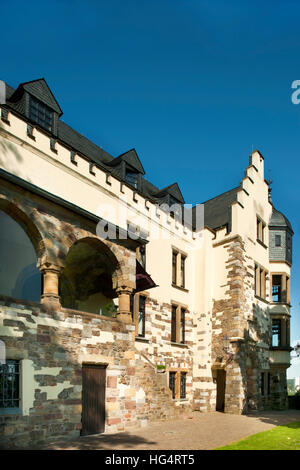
pixel 280 238
pixel 280 256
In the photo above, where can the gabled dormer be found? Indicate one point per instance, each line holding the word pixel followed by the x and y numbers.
pixel 35 100
pixel 171 198
pixel 129 168
pixel 169 195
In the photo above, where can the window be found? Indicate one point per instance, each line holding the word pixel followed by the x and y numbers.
pixel 138 310
pixel 183 385
pixel 10 384
pixel 276 333
pixel 131 178
pixel 40 113
pixel 142 316
pixel 277 240
pixel 182 270
pixel 172 384
pixel 174 267
pixel 178 324
pixel 182 326
pixel 260 277
pixel 280 288
pixel 178 269
pixel 177 384
pixel 276 288
pixel 260 230
pixel 174 324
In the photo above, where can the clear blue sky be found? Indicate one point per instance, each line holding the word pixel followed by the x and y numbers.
pixel 191 84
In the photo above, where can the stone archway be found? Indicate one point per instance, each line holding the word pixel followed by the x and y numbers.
pixel 93 278
pixel 88 278
pixel 26 221
pixel 21 249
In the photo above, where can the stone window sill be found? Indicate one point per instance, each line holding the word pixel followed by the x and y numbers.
pixel 281 348
pixel 181 345
pixel 10 411
pixel 142 339
pixel 180 288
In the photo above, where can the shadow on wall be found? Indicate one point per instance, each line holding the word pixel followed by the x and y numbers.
pixel 7 149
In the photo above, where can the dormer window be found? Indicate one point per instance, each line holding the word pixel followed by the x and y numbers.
pixel 131 178
pixel 40 113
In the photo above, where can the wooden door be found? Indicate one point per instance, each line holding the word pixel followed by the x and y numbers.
pixel 93 399
pixel 221 385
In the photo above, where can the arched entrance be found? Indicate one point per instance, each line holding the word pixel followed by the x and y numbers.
pixel 19 276
pixel 86 280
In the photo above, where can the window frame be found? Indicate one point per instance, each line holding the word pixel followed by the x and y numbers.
pixel 133 182
pixel 15 407
pixel 260 281
pixel 179 260
pixel 135 311
pixel 40 114
pixel 276 321
pixel 277 237
pixel 260 230
pixel 179 376
pixel 178 324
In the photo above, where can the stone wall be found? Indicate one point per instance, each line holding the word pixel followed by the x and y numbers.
pixel 52 345
pixel 245 320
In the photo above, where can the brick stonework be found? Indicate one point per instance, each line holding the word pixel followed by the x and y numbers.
pixel 57 343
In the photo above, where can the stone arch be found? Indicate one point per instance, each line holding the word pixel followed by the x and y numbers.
pixel 21 253
pixel 28 225
pixel 91 276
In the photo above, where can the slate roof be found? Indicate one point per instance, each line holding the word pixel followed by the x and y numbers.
pixel 40 90
pixel 131 158
pixel 172 189
pixel 217 211
pixel 277 220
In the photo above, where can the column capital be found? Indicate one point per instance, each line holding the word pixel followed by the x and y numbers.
pixel 51 267
pixel 124 290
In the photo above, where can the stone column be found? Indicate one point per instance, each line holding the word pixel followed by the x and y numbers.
pixel 51 274
pixel 124 313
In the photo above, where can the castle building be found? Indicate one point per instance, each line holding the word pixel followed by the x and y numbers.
pixel 119 305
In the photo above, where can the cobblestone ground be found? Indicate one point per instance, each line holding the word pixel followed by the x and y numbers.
pixel 198 431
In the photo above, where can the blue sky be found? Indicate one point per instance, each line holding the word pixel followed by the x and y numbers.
pixel 193 85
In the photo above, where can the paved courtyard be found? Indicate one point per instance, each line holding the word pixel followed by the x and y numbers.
pixel 197 431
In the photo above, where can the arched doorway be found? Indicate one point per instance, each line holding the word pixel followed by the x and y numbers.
pixel 19 276
pixel 86 281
